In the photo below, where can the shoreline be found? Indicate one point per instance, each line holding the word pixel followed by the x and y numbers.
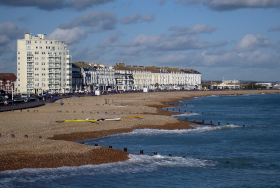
pixel 33 139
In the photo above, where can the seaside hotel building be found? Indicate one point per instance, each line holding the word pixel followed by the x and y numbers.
pixel 43 65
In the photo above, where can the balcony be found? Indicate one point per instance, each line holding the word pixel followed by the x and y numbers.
pixel 53 83
pixel 54 87
pixel 30 60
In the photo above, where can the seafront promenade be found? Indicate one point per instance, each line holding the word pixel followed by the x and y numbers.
pixel 32 138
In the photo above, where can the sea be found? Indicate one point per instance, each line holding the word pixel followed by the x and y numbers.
pixel 243 151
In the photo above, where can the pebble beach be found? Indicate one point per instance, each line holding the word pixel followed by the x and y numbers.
pixel 38 137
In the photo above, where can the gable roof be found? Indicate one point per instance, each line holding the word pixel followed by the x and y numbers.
pixel 8 76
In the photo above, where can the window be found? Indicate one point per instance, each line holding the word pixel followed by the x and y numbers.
pixel 43 74
pixel 18 79
pixel 36 74
pixel 18 53
pixel 43 58
pixel 43 53
pixel 28 42
pixel 36 69
pixel 40 46
pixel 43 79
pixel 18 58
pixel 18 69
pixel 18 63
pixel 18 74
pixel 36 79
pixel 43 69
pixel 36 58
pixel 36 52
pixel 36 63
pixel 43 63
pixel 48 47
pixel 28 47
pixel 18 84
pixel 53 48
pixel 36 47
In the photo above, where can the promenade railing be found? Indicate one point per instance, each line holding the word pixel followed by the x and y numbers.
pixel 23 105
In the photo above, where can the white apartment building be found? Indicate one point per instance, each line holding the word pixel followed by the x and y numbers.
pixel 169 81
pixel 97 76
pixel 169 78
pixel 124 80
pixel 43 65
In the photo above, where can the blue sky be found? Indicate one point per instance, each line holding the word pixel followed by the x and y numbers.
pixel 233 39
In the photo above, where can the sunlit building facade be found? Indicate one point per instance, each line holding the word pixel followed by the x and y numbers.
pixel 43 65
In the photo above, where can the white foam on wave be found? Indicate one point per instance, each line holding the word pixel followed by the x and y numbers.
pixel 214 96
pixel 185 114
pixel 197 129
pixel 136 164
pixel 167 161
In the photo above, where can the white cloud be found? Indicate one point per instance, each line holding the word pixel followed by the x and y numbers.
pixel 70 36
pixel 146 40
pixel 254 59
pixel 4 39
pixel 10 31
pixel 160 43
pixel 225 5
pixel 112 40
pixel 274 29
pixel 55 4
pixel 102 20
pixel 131 51
pixel 196 29
pixel 252 42
pixel 136 18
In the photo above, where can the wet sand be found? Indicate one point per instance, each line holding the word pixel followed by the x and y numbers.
pixel 32 138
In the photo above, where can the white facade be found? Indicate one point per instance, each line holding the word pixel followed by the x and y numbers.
pixel 170 81
pixel 97 76
pixel 124 80
pixel 43 65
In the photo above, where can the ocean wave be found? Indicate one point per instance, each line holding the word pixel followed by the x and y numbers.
pixel 185 114
pixel 168 161
pixel 135 164
pixel 197 129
